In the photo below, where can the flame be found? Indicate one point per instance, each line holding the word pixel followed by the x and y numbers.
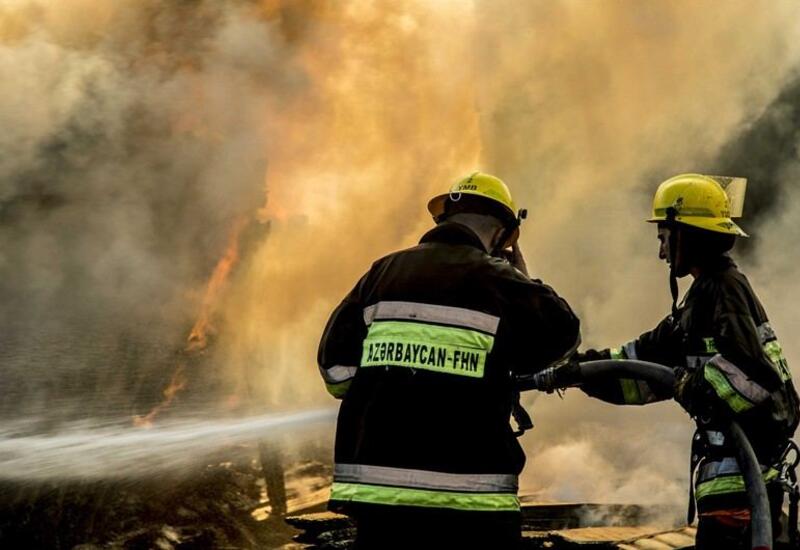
pixel 197 341
pixel 176 384
pixel 198 336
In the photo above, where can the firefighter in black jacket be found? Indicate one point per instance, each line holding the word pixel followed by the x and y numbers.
pixel 728 360
pixel 424 353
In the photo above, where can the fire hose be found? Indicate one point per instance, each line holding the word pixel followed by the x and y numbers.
pixel 662 376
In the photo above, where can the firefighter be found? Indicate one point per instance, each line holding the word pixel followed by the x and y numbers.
pixel 424 353
pixel 727 359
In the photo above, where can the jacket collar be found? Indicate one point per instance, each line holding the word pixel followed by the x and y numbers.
pixel 453 233
pixel 716 264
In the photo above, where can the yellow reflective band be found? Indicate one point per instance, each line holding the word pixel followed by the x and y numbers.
pixel 728 484
pixel 774 351
pixel 725 390
pixel 401 496
pixel 436 348
pixel 338 390
pixel 617 353
pixel 630 391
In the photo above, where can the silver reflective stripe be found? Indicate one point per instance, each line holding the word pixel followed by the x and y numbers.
pixel 630 349
pixel 447 315
pixel 715 438
pixel 337 374
pixel 424 479
pixel 739 380
pixel 710 470
pixel 694 362
pixel 726 466
pixel 765 333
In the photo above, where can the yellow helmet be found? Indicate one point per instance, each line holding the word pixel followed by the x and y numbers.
pixel 479 184
pixel 699 201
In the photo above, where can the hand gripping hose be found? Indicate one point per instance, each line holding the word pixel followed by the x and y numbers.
pixel 656 374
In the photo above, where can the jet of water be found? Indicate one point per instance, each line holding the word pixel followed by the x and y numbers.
pixel 89 451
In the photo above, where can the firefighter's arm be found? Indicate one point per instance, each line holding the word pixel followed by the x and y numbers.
pixel 547 333
pixel 741 376
pixel 340 348
pixel 651 346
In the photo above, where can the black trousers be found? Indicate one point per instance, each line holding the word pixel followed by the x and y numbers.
pixel 390 528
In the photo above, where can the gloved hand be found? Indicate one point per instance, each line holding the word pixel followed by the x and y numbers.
pixel 683 389
pixel 557 377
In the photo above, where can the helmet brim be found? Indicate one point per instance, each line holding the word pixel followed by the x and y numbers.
pixel 717 225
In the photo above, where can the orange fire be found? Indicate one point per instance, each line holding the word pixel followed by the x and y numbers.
pixel 198 336
pixel 176 384
pixel 197 341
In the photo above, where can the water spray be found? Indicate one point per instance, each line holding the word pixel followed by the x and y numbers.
pixel 116 451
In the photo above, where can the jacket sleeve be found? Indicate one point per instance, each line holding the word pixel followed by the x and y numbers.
pixel 656 346
pixel 339 352
pixel 546 331
pixel 741 375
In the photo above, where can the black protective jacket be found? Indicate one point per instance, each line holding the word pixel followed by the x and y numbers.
pixel 424 353
pixel 721 334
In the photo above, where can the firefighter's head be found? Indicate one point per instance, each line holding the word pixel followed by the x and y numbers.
pixel 485 203
pixel 693 213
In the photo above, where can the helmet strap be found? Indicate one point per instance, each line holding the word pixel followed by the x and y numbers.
pixel 673 256
pixel 507 232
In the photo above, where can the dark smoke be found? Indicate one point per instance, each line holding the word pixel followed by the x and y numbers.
pixel 766 153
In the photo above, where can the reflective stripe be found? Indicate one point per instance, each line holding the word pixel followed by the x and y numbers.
pixel 775 353
pixel 338 390
pixel 739 380
pixel 636 392
pixel 617 353
pixel 715 438
pixel 398 496
pixel 337 374
pixel 728 484
pixel 694 362
pixel 442 349
pixel 765 333
pixel 430 313
pixel 630 391
pixel 724 389
pixel 726 466
pixel 423 479
pixel 711 346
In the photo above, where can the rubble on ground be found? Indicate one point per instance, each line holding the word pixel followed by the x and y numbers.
pixel 545 526
pixel 220 506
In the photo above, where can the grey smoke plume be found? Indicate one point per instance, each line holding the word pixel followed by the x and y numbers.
pixel 123 164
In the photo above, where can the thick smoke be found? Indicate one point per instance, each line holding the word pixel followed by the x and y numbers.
pixel 141 131
pixel 134 135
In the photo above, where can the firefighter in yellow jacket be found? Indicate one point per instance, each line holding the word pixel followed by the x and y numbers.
pixel 727 358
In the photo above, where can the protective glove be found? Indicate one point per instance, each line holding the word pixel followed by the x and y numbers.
pixel 557 377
